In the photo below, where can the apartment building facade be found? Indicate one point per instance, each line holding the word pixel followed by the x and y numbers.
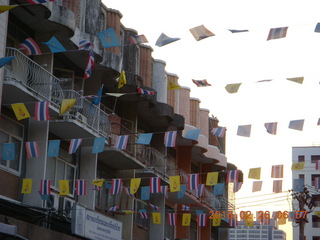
pixel 53 77
pixel 309 156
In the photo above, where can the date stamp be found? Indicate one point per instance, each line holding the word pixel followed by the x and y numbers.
pixel 260 215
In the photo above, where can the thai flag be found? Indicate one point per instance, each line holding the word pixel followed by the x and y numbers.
pixel 85 45
pixel 170 138
pixel 38 1
pixel 233 222
pixel 155 185
pixel 121 142
pixel 172 219
pixel 42 111
pixel 127 191
pixel 95 187
pixel 45 186
pixel 185 208
pixel 193 181
pixel 90 65
pixel 116 186
pixel 113 209
pixel 317 182
pixel 202 219
pixel 143 214
pixel 80 187
pixel 143 91
pixel 276 33
pixel 154 207
pixel 200 190
pixel 30 46
pixel 219 131
pixel 232 176
pixel 33 150
pixel 74 144
pixel 164 190
pixel 201 83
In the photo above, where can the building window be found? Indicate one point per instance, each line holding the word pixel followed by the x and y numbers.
pixel 11 132
pixel 301 158
pixel 313 177
pixel 316 200
pixel 314 158
pixel 61 168
pixel 301 176
pixel 316 238
pixel 315 221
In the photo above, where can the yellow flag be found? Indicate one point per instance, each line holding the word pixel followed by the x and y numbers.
pixel 98 182
pixel 66 105
pixel 174 182
pixel 64 187
pixel 254 173
pixel 172 85
pixel 297 166
pixel 26 186
pixel 134 185
pixel 317 213
pixel 4 8
pixel 282 220
pixel 156 217
pixel 20 111
pixel 248 220
pixel 186 219
pixel 216 220
pixel 122 79
pixel 212 178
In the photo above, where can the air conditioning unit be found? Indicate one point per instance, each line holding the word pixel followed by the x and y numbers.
pixel 67 207
pixel 53 201
pixel 80 118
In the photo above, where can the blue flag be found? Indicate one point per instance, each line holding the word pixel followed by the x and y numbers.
pixel 298 185
pixel 5 60
pixel 8 152
pixel 182 191
pixel 109 38
pixel 193 134
pixel 54 148
pixel 108 185
pixel 218 189
pixel 55 46
pixel 97 100
pixel 144 138
pixel 145 193
pixel 98 144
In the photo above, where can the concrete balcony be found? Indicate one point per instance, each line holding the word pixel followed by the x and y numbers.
pixel 27 82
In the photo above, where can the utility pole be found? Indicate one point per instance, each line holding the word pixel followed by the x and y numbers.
pixel 304 200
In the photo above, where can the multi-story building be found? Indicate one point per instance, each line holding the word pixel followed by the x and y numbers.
pixel 53 77
pixel 257 232
pixel 309 156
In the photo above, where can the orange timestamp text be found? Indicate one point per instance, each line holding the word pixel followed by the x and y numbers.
pixel 260 215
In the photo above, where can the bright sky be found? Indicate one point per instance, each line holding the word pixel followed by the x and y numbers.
pixel 243 58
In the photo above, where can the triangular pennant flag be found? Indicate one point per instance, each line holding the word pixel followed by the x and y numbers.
pixel 271 127
pixel 296 124
pixel 233 87
pixel 54 45
pixel 64 187
pixel 5 60
pixel 134 185
pixel 297 166
pixel 256 186
pixel 144 138
pixel 30 46
pixel 109 38
pixel 4 8
pixel 122 79
pixel 26 186
pixel 276 33
pixel 193 134
pixel 296 79
pixel 254 173
pixel 244 130
pixel 66 105
pixel 200 32
pixel 212 178
pixel 174 182
pixel 164 40
pixel 20 111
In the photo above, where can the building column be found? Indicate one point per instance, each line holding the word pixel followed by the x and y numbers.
pixel 181 232
pixel 156 231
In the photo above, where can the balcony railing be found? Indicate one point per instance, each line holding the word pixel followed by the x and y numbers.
pixel 43 85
